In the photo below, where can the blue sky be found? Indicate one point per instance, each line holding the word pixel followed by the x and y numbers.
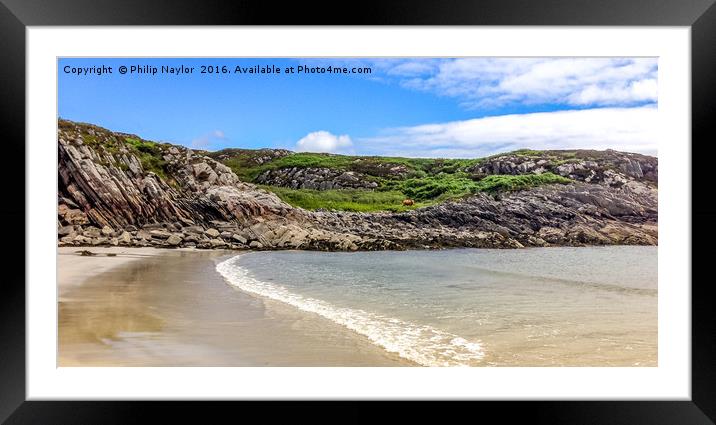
pixel 408 107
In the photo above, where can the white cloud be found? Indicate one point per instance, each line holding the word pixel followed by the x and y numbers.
pixel 206 140
pixel 490 82
pixel 495 82
pixel 323 141
pixel 625 129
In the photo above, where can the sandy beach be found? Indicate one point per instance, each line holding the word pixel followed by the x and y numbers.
pixel 169 307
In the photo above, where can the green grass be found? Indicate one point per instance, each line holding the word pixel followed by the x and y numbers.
pixel 431 187
pixel 427 191
pixel 150 156
pixel 526 152
pixel 376 167
pixel 499 183
pixel 357 200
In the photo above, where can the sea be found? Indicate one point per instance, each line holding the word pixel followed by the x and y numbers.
pixel 557 306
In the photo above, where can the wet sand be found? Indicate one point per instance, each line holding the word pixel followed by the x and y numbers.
pixel 154 307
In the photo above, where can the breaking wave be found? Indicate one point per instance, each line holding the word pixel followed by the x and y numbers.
pixel 421 344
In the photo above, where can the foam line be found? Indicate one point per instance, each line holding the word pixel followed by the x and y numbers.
pixel 422 344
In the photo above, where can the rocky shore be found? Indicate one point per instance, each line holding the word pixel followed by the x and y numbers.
pixel 119 190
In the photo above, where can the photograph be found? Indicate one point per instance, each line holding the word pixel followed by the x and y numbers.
pixel 357 211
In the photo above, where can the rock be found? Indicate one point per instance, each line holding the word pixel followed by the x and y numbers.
pixel 65 230
pixel 125 238
pixel 202 171
pixel 160 234
pixel 612 198
pixel 193 229
pixel 72 215
pixel 144 234
pixel 213 233
pixel 99 241
pixel 153 226
pixel 191 238
pixel 316 178
pixel 174 240
pixel 91 232
pixel 217 243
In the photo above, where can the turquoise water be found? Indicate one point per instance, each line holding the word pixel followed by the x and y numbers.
pixel 588 306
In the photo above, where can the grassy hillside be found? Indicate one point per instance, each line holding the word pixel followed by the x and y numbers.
pixel 426 181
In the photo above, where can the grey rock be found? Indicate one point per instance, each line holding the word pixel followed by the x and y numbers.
pixel 91 232
pixel 174 240
pixel 65 230
pixel 217 243
pixel 125 238
pixel 213 233
pixel 143 234
pixel 160 234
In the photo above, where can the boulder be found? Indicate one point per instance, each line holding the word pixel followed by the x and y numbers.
pixel 174 239
pixel 125 238
pixel 65 230
pixel 213 233
pixel 91 232
pixel 217 243
pixel 193 229
pixel 160 234
pixel 143 234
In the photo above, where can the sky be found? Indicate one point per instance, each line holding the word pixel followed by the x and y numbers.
pixel 414 107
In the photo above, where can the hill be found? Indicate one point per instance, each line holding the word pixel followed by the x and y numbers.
pixel 119 189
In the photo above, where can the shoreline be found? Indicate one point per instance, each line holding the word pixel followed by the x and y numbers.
pixel 73 269
pixel 170 307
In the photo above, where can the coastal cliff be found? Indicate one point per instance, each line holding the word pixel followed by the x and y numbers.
pixel 118 189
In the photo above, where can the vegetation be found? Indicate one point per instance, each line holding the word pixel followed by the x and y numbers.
pixel 426 191
pixel 358 200
pixel 425 180
pixel 497 182
pixel 149 154
pixel 242 162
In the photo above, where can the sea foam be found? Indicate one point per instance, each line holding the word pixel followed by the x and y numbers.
pixel 421 344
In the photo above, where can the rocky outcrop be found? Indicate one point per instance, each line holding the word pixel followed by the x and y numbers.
pixel 109 195
pixel 577 214
pixel 609 167
pixel 315 178
pixel 117 189
pixel 256 156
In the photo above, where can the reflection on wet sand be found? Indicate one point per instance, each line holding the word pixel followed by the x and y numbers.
pixel 175 310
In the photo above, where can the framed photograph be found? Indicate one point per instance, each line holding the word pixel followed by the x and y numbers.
pixel 433 205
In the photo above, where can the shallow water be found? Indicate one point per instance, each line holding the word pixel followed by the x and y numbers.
pixel 591 306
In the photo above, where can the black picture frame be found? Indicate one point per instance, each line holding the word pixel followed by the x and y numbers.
pixel 699 15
